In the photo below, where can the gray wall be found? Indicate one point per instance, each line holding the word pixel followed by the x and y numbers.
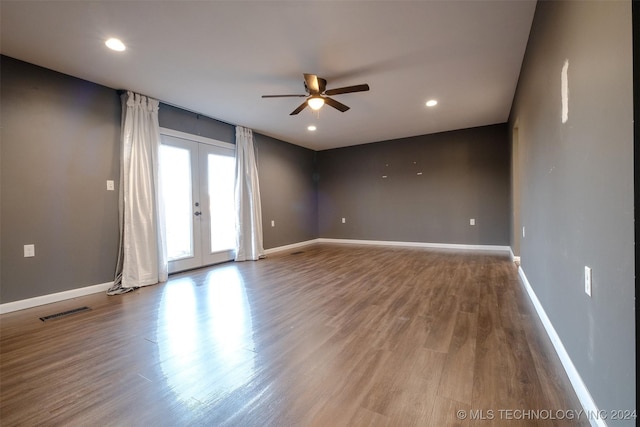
pixel 287 192
pixel 59 147
pixel 465 174
pixel 577 188
pixel 195 124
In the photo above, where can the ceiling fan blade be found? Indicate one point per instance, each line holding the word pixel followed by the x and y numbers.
pixel 283 96
pixel 348 89
pixel 335 104
pixel 311 81
pixel 300 108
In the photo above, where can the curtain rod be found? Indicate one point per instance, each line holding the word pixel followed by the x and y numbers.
pixel 196 113
pixel 121 91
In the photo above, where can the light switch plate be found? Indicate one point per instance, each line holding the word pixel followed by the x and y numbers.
pixel 29 251
pixel 110 185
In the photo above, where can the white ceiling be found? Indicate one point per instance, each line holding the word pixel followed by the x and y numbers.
pixel 218 57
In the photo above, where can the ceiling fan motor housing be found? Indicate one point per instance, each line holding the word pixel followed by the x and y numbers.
pixel 322 86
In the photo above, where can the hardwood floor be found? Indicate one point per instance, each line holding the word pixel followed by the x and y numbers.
pixel 332 336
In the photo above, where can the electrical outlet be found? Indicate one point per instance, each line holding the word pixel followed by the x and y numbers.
pixel 273 223
pixel 29 251
pixel 344 220
pixel 472 221
pixel 587 280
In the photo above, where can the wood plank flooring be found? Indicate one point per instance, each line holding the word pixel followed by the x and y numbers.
pixel 333 336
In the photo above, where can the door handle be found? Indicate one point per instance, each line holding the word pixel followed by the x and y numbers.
pixel 197 213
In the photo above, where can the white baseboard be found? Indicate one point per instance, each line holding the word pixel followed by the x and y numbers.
pixel 514 258
pixel 50 298
pixel 491 248
pixel 289 247
pixel 588 404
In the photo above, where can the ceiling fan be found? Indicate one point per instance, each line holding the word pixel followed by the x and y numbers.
pixel 318 95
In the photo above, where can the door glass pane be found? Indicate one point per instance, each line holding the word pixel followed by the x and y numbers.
pixel 221 170
pixel 175 175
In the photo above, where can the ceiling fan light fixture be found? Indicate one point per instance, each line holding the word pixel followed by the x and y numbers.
pixel 315 102
pixel 115 44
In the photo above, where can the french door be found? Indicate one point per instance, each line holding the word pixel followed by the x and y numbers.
pixel 197 181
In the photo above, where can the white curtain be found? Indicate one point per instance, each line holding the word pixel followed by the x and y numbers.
pixel 247 192
pixel 142 258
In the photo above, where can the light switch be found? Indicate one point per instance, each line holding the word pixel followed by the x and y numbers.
pixel 110 185
pixel 344 220
pixel 472 221
pixel 273 223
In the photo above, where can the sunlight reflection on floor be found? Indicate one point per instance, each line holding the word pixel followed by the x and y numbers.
pixel 204 326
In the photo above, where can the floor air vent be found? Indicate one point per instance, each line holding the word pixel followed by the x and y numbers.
pixel 64 313
pixel 297 253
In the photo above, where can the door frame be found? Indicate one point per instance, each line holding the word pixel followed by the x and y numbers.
pixel 207 257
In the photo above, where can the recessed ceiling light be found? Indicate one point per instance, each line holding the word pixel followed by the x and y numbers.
pixel 311 128
pixel 115 44
pixel 432 103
